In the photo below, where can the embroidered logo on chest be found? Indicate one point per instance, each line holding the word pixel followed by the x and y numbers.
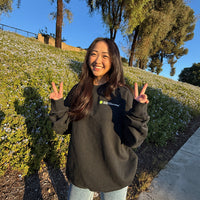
pixel 108 103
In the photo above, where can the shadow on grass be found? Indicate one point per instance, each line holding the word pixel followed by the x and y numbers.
pixel 75 66
pixel 42 145
pixel 2 116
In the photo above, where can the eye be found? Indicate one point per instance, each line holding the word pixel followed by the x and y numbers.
pixel 106 56
pixel 93 54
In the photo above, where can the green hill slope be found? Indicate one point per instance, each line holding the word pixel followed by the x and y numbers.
pixel 27 69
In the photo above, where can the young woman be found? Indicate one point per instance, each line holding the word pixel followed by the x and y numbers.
pixel 106 122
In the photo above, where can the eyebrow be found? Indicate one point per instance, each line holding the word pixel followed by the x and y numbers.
pixel 102 52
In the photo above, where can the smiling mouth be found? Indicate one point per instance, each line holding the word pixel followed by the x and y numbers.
pixel 97 68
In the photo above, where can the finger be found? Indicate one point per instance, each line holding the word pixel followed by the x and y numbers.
pixel 51 96
pixel 61 89
pixel 144 89
pixel 145 98
pixel 142 98
pixel 135 90
pixel 54 87
pixel 146 101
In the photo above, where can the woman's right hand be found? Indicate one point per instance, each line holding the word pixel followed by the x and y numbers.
pixel 56 95
pixel 142 97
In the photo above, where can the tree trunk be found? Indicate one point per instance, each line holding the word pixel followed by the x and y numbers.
pixel 130 63
pixel 59 21
pixel 111 33
pixel 115 33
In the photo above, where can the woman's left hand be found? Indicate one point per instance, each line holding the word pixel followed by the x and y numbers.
pixel 142 98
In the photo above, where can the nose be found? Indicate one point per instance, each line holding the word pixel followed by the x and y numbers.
pixel 98 59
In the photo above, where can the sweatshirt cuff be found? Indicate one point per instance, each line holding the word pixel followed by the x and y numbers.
pixel 57 105
pixel 139 109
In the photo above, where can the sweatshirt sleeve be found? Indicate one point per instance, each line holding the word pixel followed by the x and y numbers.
pixel 136 129
pixel 59 116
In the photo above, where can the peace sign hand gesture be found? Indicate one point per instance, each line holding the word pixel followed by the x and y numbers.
pixel 142 98
pixel 55 95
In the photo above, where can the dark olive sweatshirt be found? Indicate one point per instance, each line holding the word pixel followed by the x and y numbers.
pixel 101 156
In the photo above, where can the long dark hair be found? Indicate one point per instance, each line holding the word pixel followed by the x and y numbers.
pixel 82 96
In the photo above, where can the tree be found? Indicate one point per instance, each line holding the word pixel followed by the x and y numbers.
pixel 191 75
pixel 119 14
pixel 112 11
pixel 6 6
pixel 171 47
pixel 162 34
pixel 58 15
pixel 59 21
pixel 136 14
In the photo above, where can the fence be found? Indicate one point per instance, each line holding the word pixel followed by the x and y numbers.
pixel 17 30
pixel 44 39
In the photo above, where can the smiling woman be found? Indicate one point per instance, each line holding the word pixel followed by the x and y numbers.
pixel 105 120
pixel 100 63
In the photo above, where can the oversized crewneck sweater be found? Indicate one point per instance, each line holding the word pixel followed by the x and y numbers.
pixel 101 156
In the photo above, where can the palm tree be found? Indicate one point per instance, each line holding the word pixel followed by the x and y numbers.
pixel 59 21
pixel 59 15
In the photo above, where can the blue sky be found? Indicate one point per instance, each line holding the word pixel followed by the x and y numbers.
pixel 34 15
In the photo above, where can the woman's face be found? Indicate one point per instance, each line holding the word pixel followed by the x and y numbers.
pixel 99 60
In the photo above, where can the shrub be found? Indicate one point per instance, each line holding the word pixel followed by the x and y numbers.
pixel 191 75
pixel 27 70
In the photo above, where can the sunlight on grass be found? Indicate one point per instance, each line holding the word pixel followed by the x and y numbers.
pixel 27 69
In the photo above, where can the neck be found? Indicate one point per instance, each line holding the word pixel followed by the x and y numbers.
pixel 100 81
